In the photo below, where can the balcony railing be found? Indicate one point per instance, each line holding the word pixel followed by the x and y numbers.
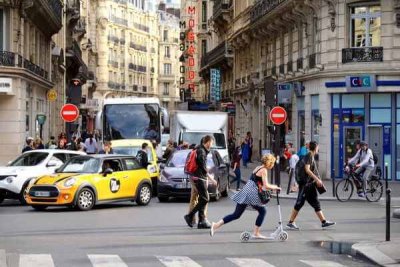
pixel 362 54
pixel 219 53
pixel 141 27
pixel 113 63
pixel 10 59
pixel 141 68
pixel 299 63
pixel 132 66
pixel 119 20
pixel 312 61
pixel 138 47
pixel 263 7
pixel 46 14
pixel 112 38
pixel 221 6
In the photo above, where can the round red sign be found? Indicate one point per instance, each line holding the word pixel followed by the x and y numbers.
pixel 278 115
pixel 69 113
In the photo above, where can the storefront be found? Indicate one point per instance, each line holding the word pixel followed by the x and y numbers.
pixel 368 110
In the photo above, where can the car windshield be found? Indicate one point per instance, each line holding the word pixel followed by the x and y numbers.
pixel 131 151
pixel 81 165
pixel 178 160
pixel 195 138
pixel 30 159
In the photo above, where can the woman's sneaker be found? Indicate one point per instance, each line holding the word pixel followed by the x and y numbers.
pixel 292 226
pixel 327 224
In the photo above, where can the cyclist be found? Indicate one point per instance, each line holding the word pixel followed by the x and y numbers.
pixel 364 162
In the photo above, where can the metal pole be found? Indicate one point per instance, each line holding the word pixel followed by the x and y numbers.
pixel 333 184
pixel 388 191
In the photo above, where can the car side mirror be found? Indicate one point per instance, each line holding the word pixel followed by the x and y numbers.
pixel 107 172
pixel 162 166
pixel 57 170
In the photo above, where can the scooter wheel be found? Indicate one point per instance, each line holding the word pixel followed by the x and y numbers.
pixel 283 236
pixel 245 236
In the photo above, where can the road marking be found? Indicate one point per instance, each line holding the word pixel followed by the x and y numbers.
pixel 250 262
pixel 322 263
pixel 3 259
pixel 34 260
pixel 107 261
pixel 177 261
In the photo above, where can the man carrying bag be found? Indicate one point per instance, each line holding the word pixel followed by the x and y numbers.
pixel 310 184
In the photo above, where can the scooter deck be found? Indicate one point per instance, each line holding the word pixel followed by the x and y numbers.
pixel 278 235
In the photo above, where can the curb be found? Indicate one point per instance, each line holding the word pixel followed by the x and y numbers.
pixel 372 253
pixel 321 198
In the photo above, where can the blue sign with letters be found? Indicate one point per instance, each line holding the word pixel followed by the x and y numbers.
pixel 215 85
pixel 361 83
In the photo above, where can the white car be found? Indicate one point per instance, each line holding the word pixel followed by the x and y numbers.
pixel 15 177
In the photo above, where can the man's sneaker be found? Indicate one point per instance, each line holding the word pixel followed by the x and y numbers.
pixel 204 225
pixel 188 220
pixel 361 194
pixel 328 224
pixel 292 226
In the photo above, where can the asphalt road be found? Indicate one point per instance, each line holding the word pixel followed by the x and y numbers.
pixel 125 234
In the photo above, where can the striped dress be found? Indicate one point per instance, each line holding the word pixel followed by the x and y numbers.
pixel 249 194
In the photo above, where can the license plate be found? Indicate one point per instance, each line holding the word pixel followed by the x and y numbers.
pixel 42 194
pixel 184 185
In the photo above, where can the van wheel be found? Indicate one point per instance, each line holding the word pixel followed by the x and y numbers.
pixel 85 200
pixel 144 195
pixel 39 207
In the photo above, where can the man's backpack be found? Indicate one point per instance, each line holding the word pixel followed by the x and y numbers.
pixel 375 157
pixel 300 171
pixel 191 162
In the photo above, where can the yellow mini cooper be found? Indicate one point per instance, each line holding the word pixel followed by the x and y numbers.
pixel 85 181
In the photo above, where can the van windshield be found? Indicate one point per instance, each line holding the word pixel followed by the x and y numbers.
pixel 195 138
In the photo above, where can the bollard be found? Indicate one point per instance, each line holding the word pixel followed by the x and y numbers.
pixel 388 191
pixel 333 184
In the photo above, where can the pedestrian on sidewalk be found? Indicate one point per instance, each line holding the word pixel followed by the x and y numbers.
pixel 38 144
pixel 248 196
pixel 308 191
pixel 235 165
pixel 29 144
pixel 107 148
pixel 292 172
pixel 245 152
pixel 91 145
pixel 250 142
pixel 303 149
pixel 200 179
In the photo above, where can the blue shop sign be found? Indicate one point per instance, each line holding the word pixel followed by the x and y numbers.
pixel 361 83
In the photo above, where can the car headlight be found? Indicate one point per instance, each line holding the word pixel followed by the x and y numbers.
pixel 70 182
pixel 10 179
pixel 163 179
pixel 151 169
pixel 226 159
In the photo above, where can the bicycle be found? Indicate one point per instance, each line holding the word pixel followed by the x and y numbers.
pixel 345 188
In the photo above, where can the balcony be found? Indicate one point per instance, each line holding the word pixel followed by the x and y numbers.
pixel 141 27
pixel 114 39
pixel 217 56
pixel 75 63
pixel 221 12
pixel 46 14
pixel 362 54
pixel 113 63
pixel 118 20
pixel 10 59
pixel 141 68
pixel 138 47
pixel 262 8
pixel 132 66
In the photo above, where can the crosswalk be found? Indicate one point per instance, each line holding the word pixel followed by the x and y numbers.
pixel 107 260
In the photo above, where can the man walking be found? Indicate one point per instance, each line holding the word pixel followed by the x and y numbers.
pixel 200 179
pixel 142 156
pixel 308 190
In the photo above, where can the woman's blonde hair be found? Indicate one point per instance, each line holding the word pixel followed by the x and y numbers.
pixel 268 158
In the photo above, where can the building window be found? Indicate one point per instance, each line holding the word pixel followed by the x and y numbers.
pixel 204 12
pixel 165 35
pixel 381 111
pixel 165 104
pixel 166 89
pixel 203 48
pixel 167 69
pixel 167 53
pixel 365 25
pixel 315 118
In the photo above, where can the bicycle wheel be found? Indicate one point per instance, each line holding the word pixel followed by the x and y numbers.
pixel 374 190
pixel 344 190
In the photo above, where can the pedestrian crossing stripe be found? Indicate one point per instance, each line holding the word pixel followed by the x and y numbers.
pixel 322 263
pixel 106 261
pixel 33 260
pixel 177 261
pixel 241 262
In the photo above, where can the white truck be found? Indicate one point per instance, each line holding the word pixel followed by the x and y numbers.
pixel 191 126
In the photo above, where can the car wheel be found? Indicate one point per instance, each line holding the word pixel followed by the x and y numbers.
pixel 163 199
pixel 85 200
pixel 39 207
pixel 144 195
pixel 24 191
pixel 226 190
pixel 217 195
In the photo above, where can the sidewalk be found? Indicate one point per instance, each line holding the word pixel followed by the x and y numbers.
pixel 328 196
pixel 381 253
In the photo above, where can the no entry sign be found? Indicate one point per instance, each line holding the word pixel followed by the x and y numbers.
pixel 69 113
pixel 278 115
